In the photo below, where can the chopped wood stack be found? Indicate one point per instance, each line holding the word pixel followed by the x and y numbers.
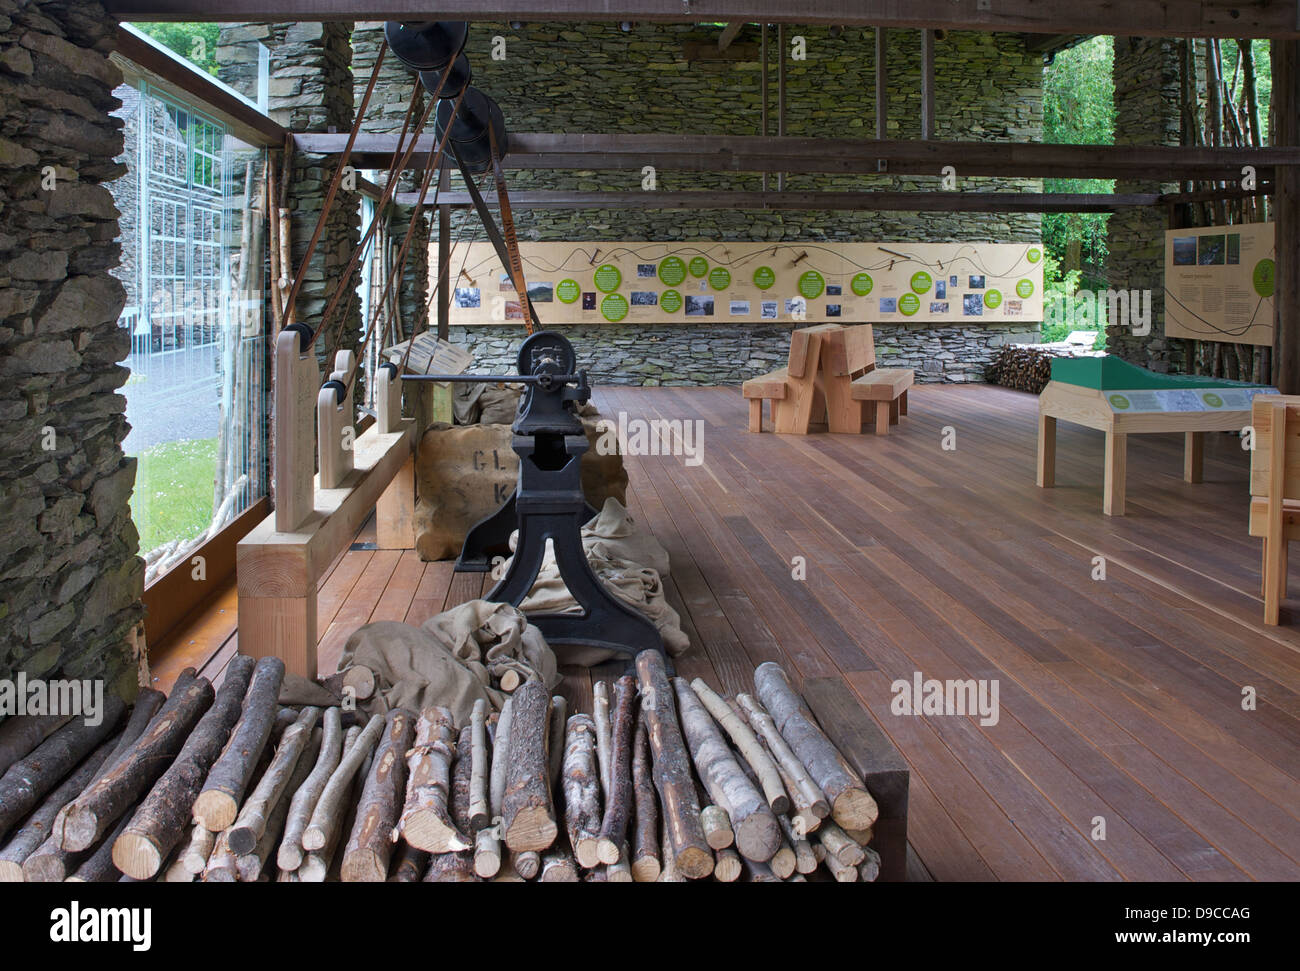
pixel 1021 367
pixel 667 781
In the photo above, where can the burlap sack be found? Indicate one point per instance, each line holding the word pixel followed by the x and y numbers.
pixel 485 404
pixel 465 473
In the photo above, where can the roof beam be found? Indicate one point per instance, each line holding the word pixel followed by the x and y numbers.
pixel 729 33
pixel 754 153
pixel 1149 18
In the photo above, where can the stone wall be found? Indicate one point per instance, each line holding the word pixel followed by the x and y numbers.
pixel 70 580
pixel 671 79
pixel 1146 113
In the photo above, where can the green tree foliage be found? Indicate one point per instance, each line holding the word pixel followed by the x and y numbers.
pixel 197 43
pixel 1078 109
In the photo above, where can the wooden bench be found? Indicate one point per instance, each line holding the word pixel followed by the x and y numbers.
pixel 1275 492
pixel 766 387
pixel 887 388
pixel 794 389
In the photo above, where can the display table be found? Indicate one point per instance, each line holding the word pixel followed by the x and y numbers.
pixel 1120 399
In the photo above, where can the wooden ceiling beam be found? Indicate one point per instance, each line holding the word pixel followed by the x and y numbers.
pixel 1148 18
pixel 729 33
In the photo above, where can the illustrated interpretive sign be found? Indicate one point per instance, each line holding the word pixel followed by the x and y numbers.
pixel 1219 283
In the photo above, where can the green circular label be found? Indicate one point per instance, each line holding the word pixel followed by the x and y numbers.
pixel 764 277
pixel 1025 288
pixel 1212 399
pixel 672 270
pixel 699 266
pixel 921 282
pixel 719 278
pixel 909 303
pixel 993 299
pixel 670 301
pixel 811 284
pixel 1119 402
pixel 1034 254
pixel 614 307
pixel 861 284
pixel 568 291
pixel 608 278
pixel 1263 278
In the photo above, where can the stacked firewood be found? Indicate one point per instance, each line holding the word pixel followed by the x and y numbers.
pixel 665 780
pixel 1022 367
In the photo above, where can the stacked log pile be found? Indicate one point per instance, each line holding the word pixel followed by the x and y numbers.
pixel 666 781
pixel 1022 367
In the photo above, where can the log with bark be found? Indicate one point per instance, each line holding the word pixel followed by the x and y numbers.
pixel 806 796
pixel 251 822
pixel 39 772
pixel 784 861
pixel 194 855
pixel 370 847
pixel 81 823
pixel 176 871
pixel 747 746
pixel 581 788
pixel 618 802
pixel 223 865
pixel 841 871
pixel 672 770
pixel 29 837
pixel 20 734
pixel 558 867
pixel 604 736
pixel 758 872
pixel 717 826
pixel 426 821
pixel 250 866
pixel 98 866
pixel 527 863
pixel 758 834
pixel 320 863
pixel 158 824
pixel 555 739
pixel 458 866
pixel 290 853
pixel 527 812
pixel 487 841
pixel 327 817
pixel 411 864
pixel 839 844
pixel 805 861
pixel 218 801
pixel 645 833
pixel 669 872
pixel 852 807
pixel 869 868
pixel 479 809
pixel 727 866
pixel 619 871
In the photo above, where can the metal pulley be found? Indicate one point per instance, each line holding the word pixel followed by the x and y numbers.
pixel 469 132
pixel 427 45
pixel 456 81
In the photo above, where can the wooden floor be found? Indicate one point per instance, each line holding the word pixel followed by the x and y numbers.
pixel 1120 699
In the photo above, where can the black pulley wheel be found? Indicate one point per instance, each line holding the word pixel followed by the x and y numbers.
pixel 456 81
pixel 547 352
pixel 469 132
pixel 426 46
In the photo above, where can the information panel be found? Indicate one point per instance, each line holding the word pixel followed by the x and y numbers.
pixel 1219 283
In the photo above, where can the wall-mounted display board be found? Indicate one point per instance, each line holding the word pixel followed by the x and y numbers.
pixel 1219 283
pixel 716 283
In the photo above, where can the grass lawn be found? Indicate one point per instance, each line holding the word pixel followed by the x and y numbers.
pixel 173 491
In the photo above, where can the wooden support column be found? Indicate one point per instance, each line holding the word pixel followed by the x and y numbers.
pixel 927 84
pixel 1285 130
pixel 1046 451
pixel 1193 456
pixel 1116 473
pixel 882 81
pixel 763 88
pixel 444 257
pixel 780 94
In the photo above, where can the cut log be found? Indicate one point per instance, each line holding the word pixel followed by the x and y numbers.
pixel 862 837
pixel 487 842
pixel 851 805
pixel 717 827
pixel 672 770
pixel 727 866
pixel 527 813
pixel 869 868
pixel 319 864
pixel 500 759
pixel 479 811
pixel 223 865
pixel 458 867
pixel 581 786
pixel 783 862
pixel 620 871
pixel 251 866
pixel 510 680
pixel 370 847
pixel 842 872
pixel 838 843
pixel 251 822
pixel 20 734
pixel 758 872
pixel 747 745
pixel 558 867
pixel 359 680
pixel 157 826
pixel 645 835
pixel 600 715
pixel 218 802
pixel 555 738
pixel 451 868
pixel 28 838
pixel 81 823
pixel 618 802
pixel 487 851
pixel 804 793
pixel 805 861
pixel 289 855
pixel 39 772
pixel 196 852
pixel 327 817
pixel 426 821
pixel 758 835
pixel 411 865
pixel 98 866
pixel 669 872
pixel 527 863
pixel 176 871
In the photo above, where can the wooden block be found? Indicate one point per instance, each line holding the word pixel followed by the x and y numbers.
pixel 1116 473
pixel 882 384
pixel 882 417
pixel 336 437
pixel 873 756
pixel 296 381
pixel 1046 451
pixel 283 627
pixel 395 511
pixel 1261 420
pixel 770 385
pixel 755 414
pixel 859 348
pixel 799 347
pixel 388 400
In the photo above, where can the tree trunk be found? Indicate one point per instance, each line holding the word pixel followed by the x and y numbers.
pixel 370 847
pixel 290 854
pixel 581 785
pixel 426 821
pixel 645 842
pixel 672 770
pixel 218 801
pixel 618 802
pixel 851 805
pixel 327 818
pixel 527 813
pixel 159 823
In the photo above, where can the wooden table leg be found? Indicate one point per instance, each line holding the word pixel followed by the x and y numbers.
pixel 902 403
pixel 755 414
pixel 893 412
pixel 1046 451
pixel 1193 456
pixel 882 417
pixel 1116 461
